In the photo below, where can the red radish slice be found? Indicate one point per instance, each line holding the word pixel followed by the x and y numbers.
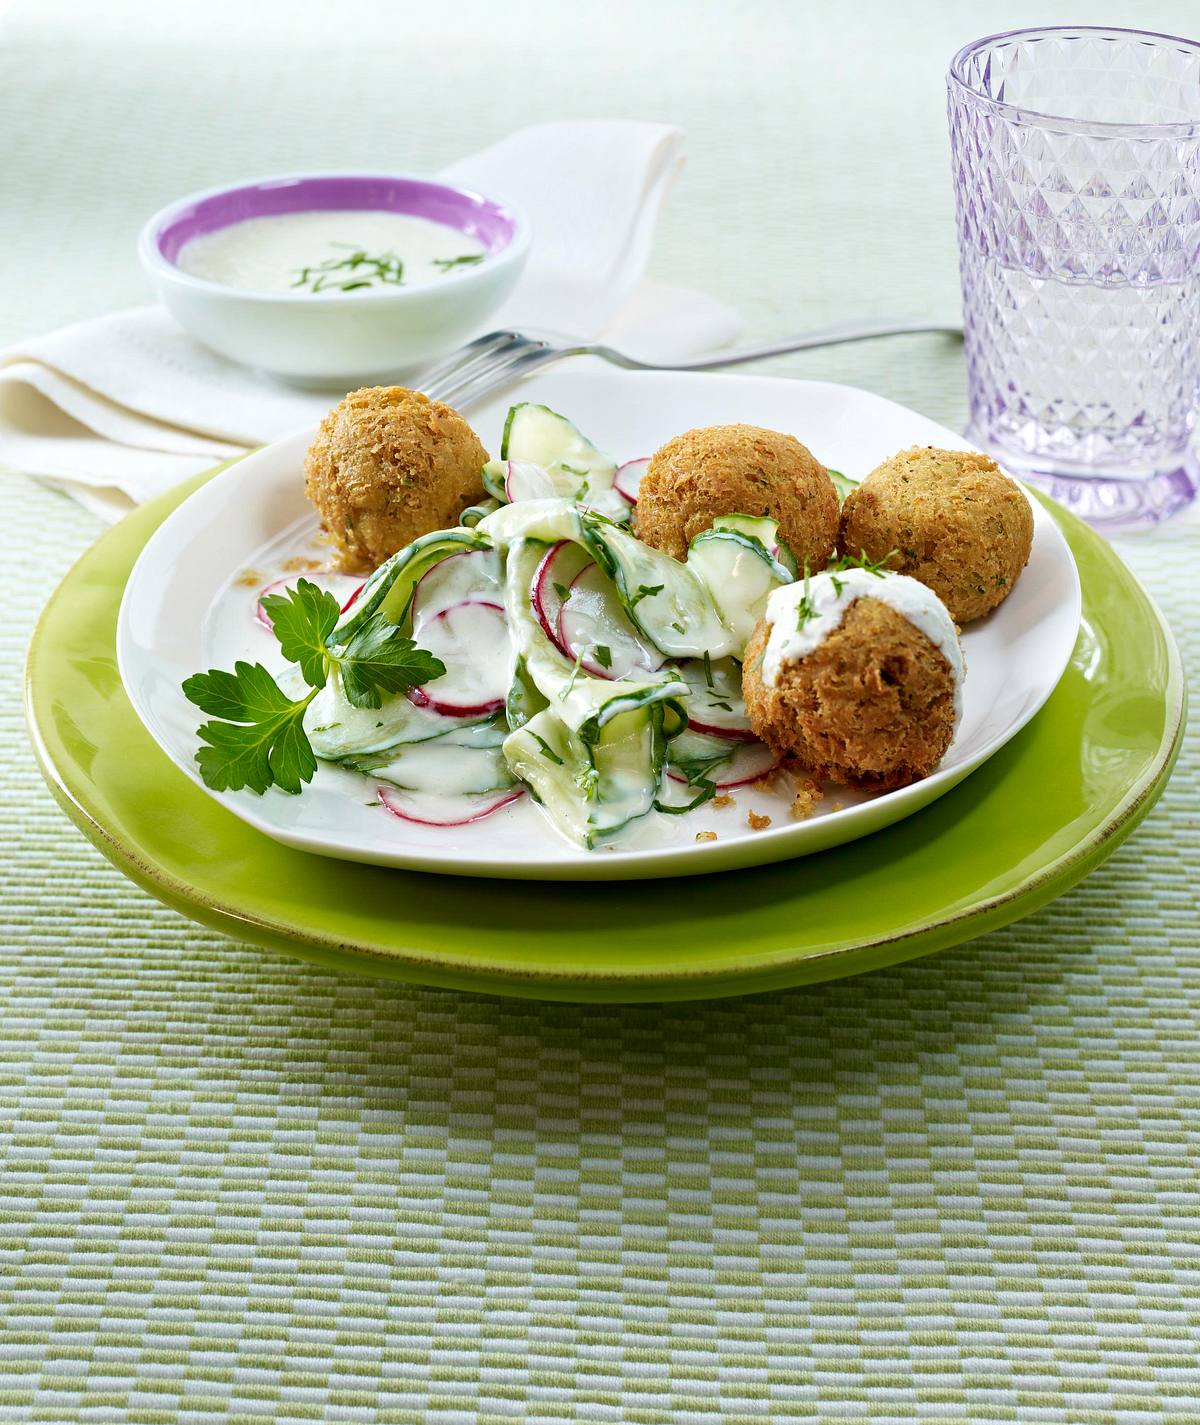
pixel 715 707
pixel 748 762
pixel 628 479
pixel 731 734
pixel 526 481
pixel 429 809
pixel 591 618
pixel 353 599
pixel 339 585
pixel 557 571
pixel 472 640
pixel 473 575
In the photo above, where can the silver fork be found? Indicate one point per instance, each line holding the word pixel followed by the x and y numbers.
pixel 500 357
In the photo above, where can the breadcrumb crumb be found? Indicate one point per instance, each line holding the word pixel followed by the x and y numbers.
pixel 300 565
pixel 706 836
pixel 723 799
pixel 756 822
pixel 769 780
pixel 250 577
pixel 808 794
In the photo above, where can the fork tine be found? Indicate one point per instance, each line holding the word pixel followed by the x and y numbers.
pixel 466 358
pixel 486 370
pixel 530 359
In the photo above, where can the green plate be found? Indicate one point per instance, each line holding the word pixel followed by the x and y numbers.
pixel 1039 815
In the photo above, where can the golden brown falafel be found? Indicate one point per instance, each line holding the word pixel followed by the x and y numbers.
pixel 738 470
pixel 388 465
pixel 955 521
pixel 873 705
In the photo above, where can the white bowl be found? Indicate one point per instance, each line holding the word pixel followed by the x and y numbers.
pixel 342 339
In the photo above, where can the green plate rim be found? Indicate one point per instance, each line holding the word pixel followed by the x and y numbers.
pixel 444 969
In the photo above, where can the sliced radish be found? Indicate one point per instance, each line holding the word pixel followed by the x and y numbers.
pixel 551 581
pixel 730 734
pixel 339 585
pixel 628 479
pixel 472 576
pixel 526 481
pixel 716 707
pixel 353 599
pixel 747 762
pixel 472 640
pixel 432 809
pixel 592 618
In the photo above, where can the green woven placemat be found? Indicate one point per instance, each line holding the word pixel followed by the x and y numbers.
pixel 235 1187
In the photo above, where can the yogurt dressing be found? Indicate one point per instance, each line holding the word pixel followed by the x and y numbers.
pixel 789 641
pixel 330 253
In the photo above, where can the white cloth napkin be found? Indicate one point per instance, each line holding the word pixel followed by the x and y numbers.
pixel 117 409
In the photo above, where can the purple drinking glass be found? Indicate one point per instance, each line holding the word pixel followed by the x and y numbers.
pixel 1077 185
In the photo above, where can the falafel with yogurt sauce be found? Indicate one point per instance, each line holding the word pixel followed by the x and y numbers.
pixel 855 675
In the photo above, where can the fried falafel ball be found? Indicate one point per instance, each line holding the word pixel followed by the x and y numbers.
pixel 738 470
pixel 387 466
pixel 950 518
pixel 856 681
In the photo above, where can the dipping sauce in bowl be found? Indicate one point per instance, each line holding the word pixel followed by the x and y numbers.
pixel 350 250
pixel 335 280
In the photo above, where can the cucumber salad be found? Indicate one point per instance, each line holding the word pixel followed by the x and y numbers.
pixel 536 649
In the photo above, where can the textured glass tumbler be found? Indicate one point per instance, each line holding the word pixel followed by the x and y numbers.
pixel 1077 184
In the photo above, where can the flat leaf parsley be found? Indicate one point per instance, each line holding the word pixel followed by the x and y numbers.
pixel 258 739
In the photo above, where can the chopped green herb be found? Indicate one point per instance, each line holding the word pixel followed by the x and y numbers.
pixel 468 259
pixel 708 790
pixel 646 591
pixel 587 779
pixel 547 751
pixel 708 678
pixel 805 609
pixel 562 697
pixel 716 703
pixel 678 627
pixel 562 591
pixel 872 566
pixel 603 655
pixel 349 273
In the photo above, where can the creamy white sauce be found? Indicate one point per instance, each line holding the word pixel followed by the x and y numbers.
pixel 274 254
pixel 789 640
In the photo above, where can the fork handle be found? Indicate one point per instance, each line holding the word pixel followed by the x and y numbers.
pixel 825 336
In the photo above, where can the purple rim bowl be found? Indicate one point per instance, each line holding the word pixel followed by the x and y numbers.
pixel 500 227
pixel 344 337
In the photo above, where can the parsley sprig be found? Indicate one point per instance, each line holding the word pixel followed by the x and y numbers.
pixel 257 739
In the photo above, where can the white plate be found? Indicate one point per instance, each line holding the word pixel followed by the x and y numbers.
pixel 188 607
